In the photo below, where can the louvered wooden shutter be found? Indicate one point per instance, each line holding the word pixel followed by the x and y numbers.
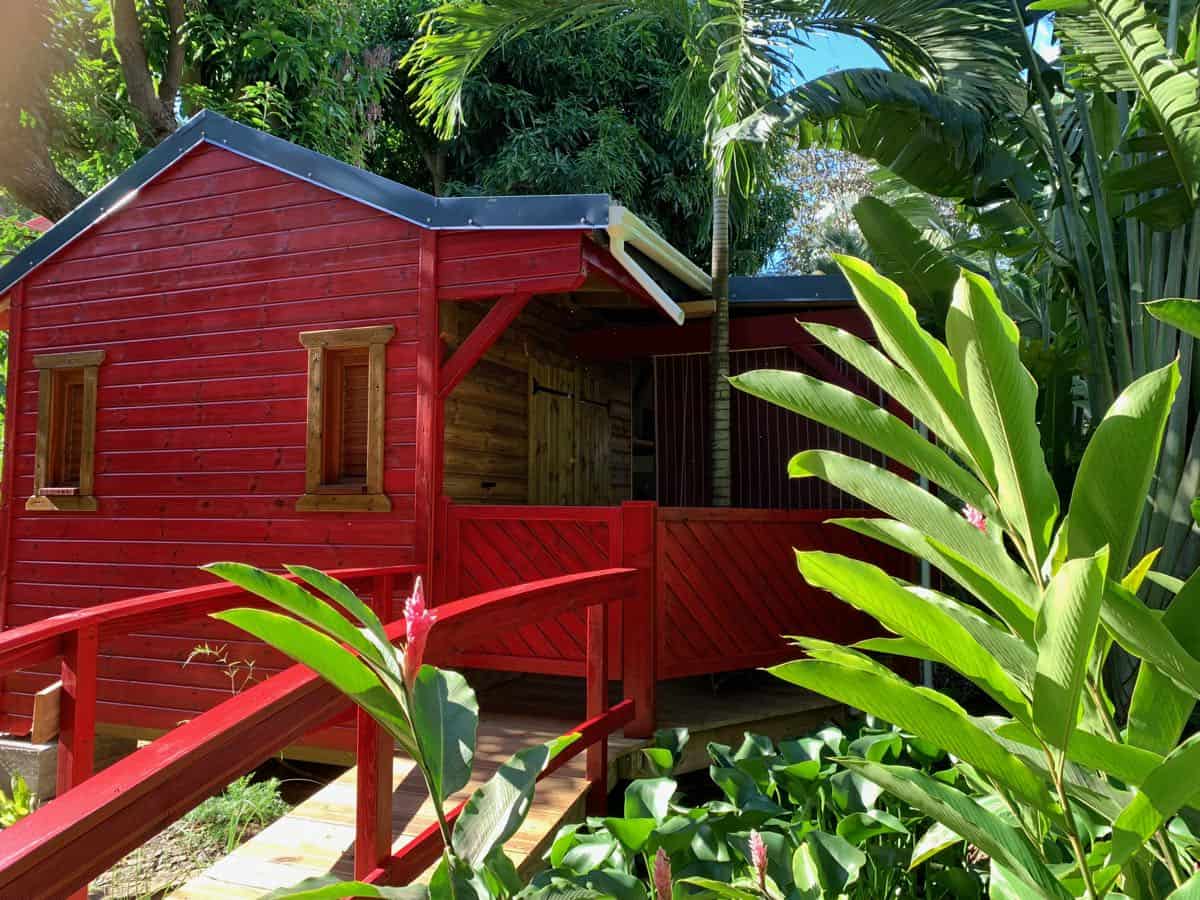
pixel 66 439
pixel 347 407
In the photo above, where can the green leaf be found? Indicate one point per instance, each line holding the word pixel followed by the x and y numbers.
pixel 1011 608
pixel 926 713
pixel 1131 765
pixel 330 660
pixel 893 380
pixel 806 873
pixel 919 509
pixel 1144 634
pixel 445 716
pixel 632 833
pixel 1167 790
pixel 1066 629
pixel 300 603
pixel 864 421
pixel 340 593
pixel 966 817
pixel 838 861
pixel 924 358
pixel 649 798
pixel 498 807
pixel 1178 313
pixel 1159 709
pixel 1003 399
pixel 1189 890
pixel 1118 45
pixel 1115 473
pixel 330 887
pixel 912 615
pixel 858 828
pixel 720 888
pixel 905 256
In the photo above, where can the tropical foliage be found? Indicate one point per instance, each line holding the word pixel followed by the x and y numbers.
pixel 1036 598
pixel 823 830
pixel 739 86
pixel 431 713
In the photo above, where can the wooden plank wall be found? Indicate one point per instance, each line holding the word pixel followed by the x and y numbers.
pixel 197 291
pixel 727 587
pixel 489 458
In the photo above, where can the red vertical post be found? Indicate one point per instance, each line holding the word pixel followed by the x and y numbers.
pixel 77 714
pixel 373 808
pixel 430 432
pixel 639 616
pixel 597 704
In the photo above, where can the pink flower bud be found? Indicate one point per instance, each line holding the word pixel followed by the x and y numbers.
pixel 417 623
pixel 662 875
pixel 758 858
pixel 975 517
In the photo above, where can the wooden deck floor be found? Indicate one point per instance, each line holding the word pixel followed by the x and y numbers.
pixel 317 836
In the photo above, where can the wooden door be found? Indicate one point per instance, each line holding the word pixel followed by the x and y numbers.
pixel 551 435
pixel 593 439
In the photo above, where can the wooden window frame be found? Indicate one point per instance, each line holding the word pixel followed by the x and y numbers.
pixel 45 496
pixel 319 496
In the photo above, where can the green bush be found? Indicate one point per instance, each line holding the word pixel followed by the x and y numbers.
pixel 1095 806
pixel 827 831
pixel 245 804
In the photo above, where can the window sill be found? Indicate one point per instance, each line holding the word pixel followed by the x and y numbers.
pixel 349 502
pixel 61 503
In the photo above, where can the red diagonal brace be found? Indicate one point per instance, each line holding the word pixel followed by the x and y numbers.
pixel 479 341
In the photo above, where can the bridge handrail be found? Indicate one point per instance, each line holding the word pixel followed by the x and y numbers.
pixel 61 846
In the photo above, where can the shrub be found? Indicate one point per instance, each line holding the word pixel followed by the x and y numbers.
pixel 1093 805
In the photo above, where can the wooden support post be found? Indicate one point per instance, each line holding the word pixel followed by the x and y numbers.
pixel 373 810
pixel 77 714
pixel 597 704
pixel 639 615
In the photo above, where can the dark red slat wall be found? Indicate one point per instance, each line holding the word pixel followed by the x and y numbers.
pixel 197 291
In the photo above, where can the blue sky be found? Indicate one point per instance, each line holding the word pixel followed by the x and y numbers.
pixel 829 52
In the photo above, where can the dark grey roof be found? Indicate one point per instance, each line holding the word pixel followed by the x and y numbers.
pixel 769 289
pixel 533 212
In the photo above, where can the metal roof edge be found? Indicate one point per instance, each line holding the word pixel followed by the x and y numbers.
pixel 568 211
pixel 790 289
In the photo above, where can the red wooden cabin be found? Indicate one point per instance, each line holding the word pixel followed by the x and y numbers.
pixel 240 349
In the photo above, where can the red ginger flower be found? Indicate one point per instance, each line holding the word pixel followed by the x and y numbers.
pixel 758 858
pixel 417 623
pixel 975 517
pixel 662 875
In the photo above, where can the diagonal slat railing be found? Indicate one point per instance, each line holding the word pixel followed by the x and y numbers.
pixel 98 818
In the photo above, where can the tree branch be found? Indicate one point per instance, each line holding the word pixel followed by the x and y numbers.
pixel 156 118
pixel 168 88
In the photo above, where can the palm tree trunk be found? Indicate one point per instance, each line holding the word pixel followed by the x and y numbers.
pixel 719 359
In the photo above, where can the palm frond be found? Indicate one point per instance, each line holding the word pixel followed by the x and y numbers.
pixel 932 141
pixel 1116 45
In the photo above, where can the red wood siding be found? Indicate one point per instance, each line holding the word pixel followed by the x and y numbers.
pixel 489 547
pixel 764 436
pixel 728 588
pixel 197 291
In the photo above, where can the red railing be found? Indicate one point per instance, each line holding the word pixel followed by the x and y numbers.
pixel 96 819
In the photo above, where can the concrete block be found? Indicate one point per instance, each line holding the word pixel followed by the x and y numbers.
pixel 38 763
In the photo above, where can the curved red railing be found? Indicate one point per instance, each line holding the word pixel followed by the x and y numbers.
pixel 97 819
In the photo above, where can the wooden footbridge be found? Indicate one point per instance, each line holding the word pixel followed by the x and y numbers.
pixel 372 823
pixel 317 837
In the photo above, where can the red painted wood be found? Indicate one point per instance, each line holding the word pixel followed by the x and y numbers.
pixel 7 506
pixel 639 639
pixel 423 851
pixel 373 808
pixel 597 704
pixel 197 290
pixel 430 435
pixel 493 546
pixel 77 708
pixel 479 341
pixel 728 589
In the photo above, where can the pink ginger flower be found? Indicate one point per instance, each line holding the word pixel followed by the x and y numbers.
pixel 417 622
pixel 975 517
pixel 662 875
pixel 758 858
